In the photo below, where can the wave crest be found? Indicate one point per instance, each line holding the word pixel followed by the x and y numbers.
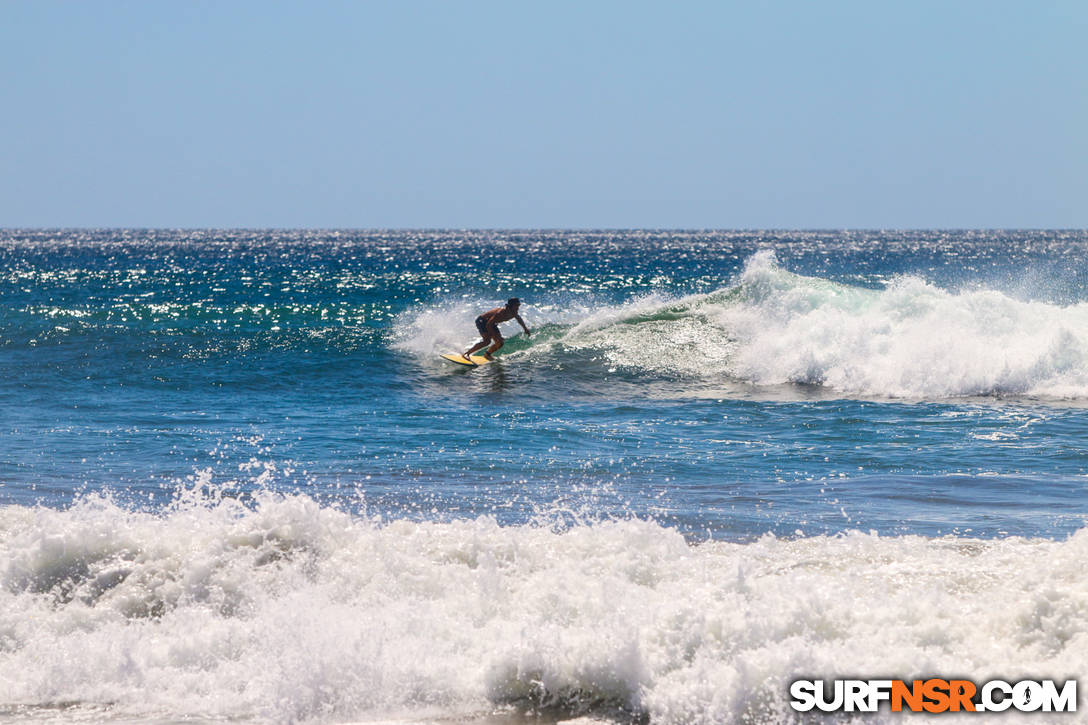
pixel 908 339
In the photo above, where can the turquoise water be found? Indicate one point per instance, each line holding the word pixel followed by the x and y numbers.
pixel 200 425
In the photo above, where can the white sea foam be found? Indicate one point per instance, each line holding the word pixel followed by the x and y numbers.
pixel 285 610
pixel 909 339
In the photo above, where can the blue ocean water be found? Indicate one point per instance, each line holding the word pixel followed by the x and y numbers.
pixel 219 448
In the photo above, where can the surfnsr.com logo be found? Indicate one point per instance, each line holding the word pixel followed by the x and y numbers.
pixel 933 695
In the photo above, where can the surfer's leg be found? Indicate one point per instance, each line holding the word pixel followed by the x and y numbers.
pixel 477 346
pixel 485 333
pixel 494 346
pixel 481 343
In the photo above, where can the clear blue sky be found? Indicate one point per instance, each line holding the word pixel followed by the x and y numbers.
pixel 553 114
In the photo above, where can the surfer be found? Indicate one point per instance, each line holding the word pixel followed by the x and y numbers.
pixel 488 325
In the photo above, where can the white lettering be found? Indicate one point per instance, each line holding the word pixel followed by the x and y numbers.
pixel 804 695
pixel 1027 696
pixel 835 702
pixel 1065 701
pixel 879 690
pixel 989 703
pixel 855 696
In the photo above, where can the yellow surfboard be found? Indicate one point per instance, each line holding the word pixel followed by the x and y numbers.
pixel 474 361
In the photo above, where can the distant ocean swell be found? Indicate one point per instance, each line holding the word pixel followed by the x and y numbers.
pixel 283 609
pixel 909 339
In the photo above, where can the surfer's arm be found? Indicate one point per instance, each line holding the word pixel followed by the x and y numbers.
pixel 522 323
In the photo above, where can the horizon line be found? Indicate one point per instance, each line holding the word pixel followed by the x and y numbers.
pixel 529 229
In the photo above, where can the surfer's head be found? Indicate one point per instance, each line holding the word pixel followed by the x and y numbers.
pixel 513 303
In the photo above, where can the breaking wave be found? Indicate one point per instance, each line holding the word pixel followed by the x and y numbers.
pixel 909 339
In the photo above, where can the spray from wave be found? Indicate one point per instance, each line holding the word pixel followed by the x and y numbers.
pixel 909 339
pixel 286 610
pixel 772 327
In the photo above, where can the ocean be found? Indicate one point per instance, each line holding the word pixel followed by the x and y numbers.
pixel 238 484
